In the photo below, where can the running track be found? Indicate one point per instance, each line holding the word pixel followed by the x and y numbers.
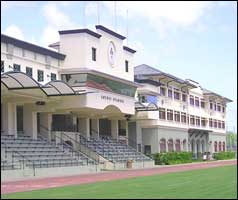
pixel 35 184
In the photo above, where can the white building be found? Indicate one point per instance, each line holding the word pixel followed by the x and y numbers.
pixel 86 86
pixel 181 114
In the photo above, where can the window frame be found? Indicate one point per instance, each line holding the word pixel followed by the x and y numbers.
pixel 94 54
pixel 126 65
pixel 196 101
pixel 15 67
pixel 170 115
pixel 31 69
pixel 38 77
pixel 170 95
pixel 191 100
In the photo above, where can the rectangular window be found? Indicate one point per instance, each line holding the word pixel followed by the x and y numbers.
pixel 177 116
pixel 202 103
pixel 211 105
pixel 215 123
pixel 53 76
pixel 197 101
pixel 29 71
pixel 162 91
pixel 176 95
pixel 197 121
pixel 170 115
pixel 127 66
pixel 170 93
pixel 94 54
pixel 223 109
pixel 219 124
pixel 219 108
pixel 2 66
pixel 40 74
pixel 215 106
pixel 210 122
pixel 192 120
pixel 184 97
pixel 183 117
pixel 16 68
pixel 203 122
pixel 191 100
pixel 223 124
pixel 162 113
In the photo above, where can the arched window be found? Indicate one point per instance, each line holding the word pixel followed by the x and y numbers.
pixel 177 145
pixel 215 146
pixel 162 145
pixel 219 146
pixel 170 145
pixel 224 146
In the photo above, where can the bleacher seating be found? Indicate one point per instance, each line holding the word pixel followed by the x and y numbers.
pixel 38 152
pixel 113 150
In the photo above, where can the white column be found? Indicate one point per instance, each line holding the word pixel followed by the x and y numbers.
pixel 127 136
pixel 46 121
pixel 174 145
pixel 29 121
pixel 9 119
pixel 166 146
pixel 95 127
pixel 84 127
pixel 75 123
pixel 114 126
pixel 159 145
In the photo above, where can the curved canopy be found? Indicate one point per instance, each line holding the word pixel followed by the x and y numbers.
pixel 19 80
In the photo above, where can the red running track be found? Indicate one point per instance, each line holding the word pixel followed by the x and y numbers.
pixel 52 182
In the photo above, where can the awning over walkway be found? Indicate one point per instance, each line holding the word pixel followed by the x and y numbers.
pixel 19 80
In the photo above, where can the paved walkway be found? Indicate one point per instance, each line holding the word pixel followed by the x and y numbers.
pixel 43 183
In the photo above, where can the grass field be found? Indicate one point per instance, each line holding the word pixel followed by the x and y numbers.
pixel 218 182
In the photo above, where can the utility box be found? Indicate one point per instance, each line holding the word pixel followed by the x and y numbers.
pixel 129 164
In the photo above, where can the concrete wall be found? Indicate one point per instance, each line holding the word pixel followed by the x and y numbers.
pixel 13 175
pixel 78 48
pixel 28 60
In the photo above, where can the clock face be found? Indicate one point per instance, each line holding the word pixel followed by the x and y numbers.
pixel 111 53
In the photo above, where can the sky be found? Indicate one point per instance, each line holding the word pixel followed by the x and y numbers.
pixel 193 39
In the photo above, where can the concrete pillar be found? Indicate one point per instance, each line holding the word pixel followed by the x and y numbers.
pixel 74 123
pixel 29 121
pixel 114 126
pixel 9 119
pixel 159 145
pixel 84 127
pixel 95 127
pixel 166 146
pixel 138 133
pixel 45 124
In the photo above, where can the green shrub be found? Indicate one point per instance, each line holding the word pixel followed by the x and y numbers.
pixel 224 155
pixel 171 158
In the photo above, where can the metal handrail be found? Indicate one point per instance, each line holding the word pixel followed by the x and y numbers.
pixel 95 139
pixel 81 150
pixel 63 144
pixel 88 152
